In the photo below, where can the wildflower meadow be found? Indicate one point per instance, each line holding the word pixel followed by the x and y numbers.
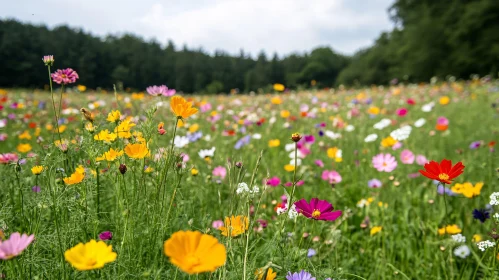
pixel 381 182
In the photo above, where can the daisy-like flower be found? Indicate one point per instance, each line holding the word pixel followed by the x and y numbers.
pixel 8 158
pixel 420 122
pixel 371 138
pixel 75 178
pixel 382 124
pixel 110 155
pixel 332 177
pixel 64 76
pixel 330 134
pixel 384 162
pixel 15 245
pixel 137 151
pixel 180 141
pixel 462 251
pixel 207 153
pixel 91 255
pixel 494 198
pixel 160 90
pixel 181 108
pixel 302 275
pixel 450 229
pixel 317 209
pixel 467 189
pixel 401 133
pixel 443 172
pixel 37 170
pixel 114 116
pixel 407 157
pixel 235 226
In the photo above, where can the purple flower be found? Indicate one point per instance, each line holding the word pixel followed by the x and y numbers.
pixel 193 137
pixel 374 183
pixel 448 191
pixel 311 252
pixel 317 209
pixel 242 142
pixel 475 145
pixel 302 275
pixel 160 90
pixel 36 189
pixel 106 235
pixel 65 76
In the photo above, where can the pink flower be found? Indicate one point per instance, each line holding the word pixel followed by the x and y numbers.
pixel 309 139
pixel 15 245
pixel 421 160
pixel 319 163
pixel 274 181
pixel 205 107
pixel 8 158
pixel 442 121
pixel 48 60
pixel 185 157
pixel 317 209
pixel 106 235
pixel 65 76
pixel 160 90
pixel 374 183
pixel 397 146
pixel 402 112
pixel 411 101
pixel 220 171
pixel 217 224
pixel 332 176
pixel 384 162
pixel 407 157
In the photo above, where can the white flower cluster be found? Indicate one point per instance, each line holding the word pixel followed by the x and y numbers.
pixel 382 124
pixel 483 245
pixel 292 213
pixel 243 188
pixel 494 198
pixel 459 238
pixel 462 251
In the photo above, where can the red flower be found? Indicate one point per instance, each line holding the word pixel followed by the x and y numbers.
pixel 443 172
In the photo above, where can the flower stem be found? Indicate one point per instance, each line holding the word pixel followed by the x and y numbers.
pixel 53 105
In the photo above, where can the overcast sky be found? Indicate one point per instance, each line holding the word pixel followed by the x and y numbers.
pixel 282 26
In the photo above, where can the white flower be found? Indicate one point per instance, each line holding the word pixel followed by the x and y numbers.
pixel 286 125
pixel 292 213
pixel 494 198
pixel 207 138
pixel 420 122
pixel 459 238
pixel 401 133
pixel 3 123
pixel 257 136
pixel 272 120
pixel 242 188
pixel 350 128
pixel 289 147
pixel 382 124
pixel 255 190
pixel 207 153
pixel 483 245
pixel 428 107
pixel 332 135
pixel 281 210
pixel 496 217
pixel 362 203
pixel 180 141
pixel 462 251
pixel 371 138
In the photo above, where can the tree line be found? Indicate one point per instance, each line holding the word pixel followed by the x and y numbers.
pixel 430 38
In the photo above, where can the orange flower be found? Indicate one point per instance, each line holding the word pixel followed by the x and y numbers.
pixel 137 151
pixel 181 108
pixel 234 225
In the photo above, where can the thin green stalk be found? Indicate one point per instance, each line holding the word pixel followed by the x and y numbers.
pixel 53 105
pixel 98 193
pixel 57 228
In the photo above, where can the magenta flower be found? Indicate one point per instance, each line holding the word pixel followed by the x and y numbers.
pixel 160 90
pixel 317 209
pixel 402 112
pixel 220 171
pixel 442 121
pixel 299 183
pixel 8 158
pixel 106 235
pixel 332 176
pixel 374 183
pixel 384 162
pixel 319 163
pixel 65 76
pixel 407 157
pixel 309 139
pixel 274 181
pixel 205 107
pixel 421 160
pixel 15 245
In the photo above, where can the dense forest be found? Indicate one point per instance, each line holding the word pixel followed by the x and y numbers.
pixel 430 38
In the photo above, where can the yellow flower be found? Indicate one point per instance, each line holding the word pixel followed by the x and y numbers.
pixel 110 155
pixel 89 127
pixel 137 96
pixel 477 238
pixel 124 128
pixel 91 255
pixel 375 230
pixel 148 169
pixel 313 82
pixel 137 151
pixel 444 100
pixel 289 167
pixel 373 110
pixel 335 154
pixel 285 113
pixel 37 170
pixel 181 108
pixel 194 172
pixel 234 225
pixel 62 128
pixel 271 275
pixel 279 87
pixel 388 142
pixel 25 135
pixel 24 148
pixel 451 229
pixel 274 143
pixel 81 88
pixel 467 189
pixel 194 252
pixel 276 100
pixel 75 178
pixel 114 116
pixel 193 128
pixel 80 169
pixel 62 145
pixel 105 136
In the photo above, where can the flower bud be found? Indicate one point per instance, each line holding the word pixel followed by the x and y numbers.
pixel 239 164
pixel 122 168
pixel 295 137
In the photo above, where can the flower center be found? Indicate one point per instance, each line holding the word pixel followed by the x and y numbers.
pixel 64 76
pixel 443 176
pixel 192 260
pixel 384 164
pixel 91 262
pixel 316 213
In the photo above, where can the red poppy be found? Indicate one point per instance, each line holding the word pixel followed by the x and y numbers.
pixel 443 172
pixel 32 125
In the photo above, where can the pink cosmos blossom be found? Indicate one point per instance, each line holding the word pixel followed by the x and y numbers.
pixel 332 176
pixel 65 76
pixel 205 107
pixel 402 112
pixel 274 181
pixel 15 245
pixel 374 183
pixel 421 160
pixel 220 171
pixel 310 139
pixel 407 157
pixel 185 157
pixel 384 162
pixel 160 90
pixel 317 209
pixel 8 158
pixel 397 146
pixel 319 163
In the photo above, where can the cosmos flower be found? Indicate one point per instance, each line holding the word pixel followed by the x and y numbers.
pixel 382 124
pixel 274 181
pixel 443 172
pixel 64 76
pixel 317 209
pixel 105 136
pixel 8 158
pixel 475 145
pixel 106 235
pixel 48 60
pixel 402 112
pixel 160 90
pixel 420 122
pixel 180 141
pixel 384 162
pixel 421 160
pixel 374 183
pixel 15 245
pixel 371 138
pixel 181 108
pixel 207 153
pixel 220 171
pixel 401 133
pixel 91 255
pixel 407 157
pixel 332 177
pixel 442 124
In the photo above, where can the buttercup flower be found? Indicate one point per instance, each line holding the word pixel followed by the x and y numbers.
pixel 181 108
pixel 15 245
pixel 450 229
pixel 375 230
pixel 317 209
pixel 91 255
pixel 235 226
pixel 443 172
